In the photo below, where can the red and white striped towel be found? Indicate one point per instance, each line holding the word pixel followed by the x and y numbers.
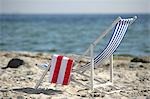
pixel 60 69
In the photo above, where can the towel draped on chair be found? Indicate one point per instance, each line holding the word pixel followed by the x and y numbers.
pixel 60 69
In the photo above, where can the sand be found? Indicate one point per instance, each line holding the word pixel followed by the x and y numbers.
pixel 131 79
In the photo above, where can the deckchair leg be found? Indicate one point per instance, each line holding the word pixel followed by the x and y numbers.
pixel 111 68
pixel 42 77
pixel 92 68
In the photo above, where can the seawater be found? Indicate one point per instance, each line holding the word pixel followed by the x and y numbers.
pixel 70 33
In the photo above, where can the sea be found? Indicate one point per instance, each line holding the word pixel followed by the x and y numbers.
pixel 70 33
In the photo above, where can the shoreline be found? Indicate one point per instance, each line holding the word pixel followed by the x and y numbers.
pixel 131 79
pixel 50 53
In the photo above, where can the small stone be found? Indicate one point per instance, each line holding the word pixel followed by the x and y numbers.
pixel 141 59
pixel 144 90
pixel 30 78
pixel 82 95
pixel 141 66
pixel 96 95
pixel 84 79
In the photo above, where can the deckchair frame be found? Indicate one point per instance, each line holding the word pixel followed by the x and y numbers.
pixel 90 51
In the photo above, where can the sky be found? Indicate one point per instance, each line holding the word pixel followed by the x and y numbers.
pixel 73 6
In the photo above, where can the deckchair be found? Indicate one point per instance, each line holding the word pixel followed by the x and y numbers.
pixel 120 27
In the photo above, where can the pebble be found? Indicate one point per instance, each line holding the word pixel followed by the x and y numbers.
pixel 141 59
pixel 82 95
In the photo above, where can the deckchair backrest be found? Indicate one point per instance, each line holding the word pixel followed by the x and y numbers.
pixel 120 27
pixel 116 38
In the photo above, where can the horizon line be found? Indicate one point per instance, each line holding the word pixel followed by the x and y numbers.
pixel 69 13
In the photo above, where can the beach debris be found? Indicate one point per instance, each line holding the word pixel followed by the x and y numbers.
pixel 82 95
pixel 95 94
pixel 141 59
pixel 14 63
pixel 42 66
pixel 135 65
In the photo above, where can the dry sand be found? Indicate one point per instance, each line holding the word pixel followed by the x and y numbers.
pixel 131 79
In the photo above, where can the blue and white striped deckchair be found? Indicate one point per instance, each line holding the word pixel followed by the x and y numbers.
pixel 120 28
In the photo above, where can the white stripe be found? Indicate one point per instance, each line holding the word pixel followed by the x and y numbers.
pixel 120 36
pixel 114 44
pixel 117 41
pixel 62 70
pixel 52 68
pixel 111 42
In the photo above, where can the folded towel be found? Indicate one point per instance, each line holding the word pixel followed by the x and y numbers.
pixel 60 69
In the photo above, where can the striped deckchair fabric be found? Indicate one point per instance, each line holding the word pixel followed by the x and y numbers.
pixel 117 36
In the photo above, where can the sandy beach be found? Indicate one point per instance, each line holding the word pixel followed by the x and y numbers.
pixel 131 79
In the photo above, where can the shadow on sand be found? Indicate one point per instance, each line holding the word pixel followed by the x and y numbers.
pixel 38 91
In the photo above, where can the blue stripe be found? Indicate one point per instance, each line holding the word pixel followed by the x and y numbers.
pixel 111 49
pixel 115 35
pixel 109 40
pixel 112 46
pixel 117 43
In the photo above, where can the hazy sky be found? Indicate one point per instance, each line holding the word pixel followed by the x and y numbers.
pixel 74 6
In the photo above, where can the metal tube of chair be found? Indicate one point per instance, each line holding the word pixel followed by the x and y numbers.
pixel 106 31
pixel 42 77
pixel 111 68
pixel 92 68
pixel 134 18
